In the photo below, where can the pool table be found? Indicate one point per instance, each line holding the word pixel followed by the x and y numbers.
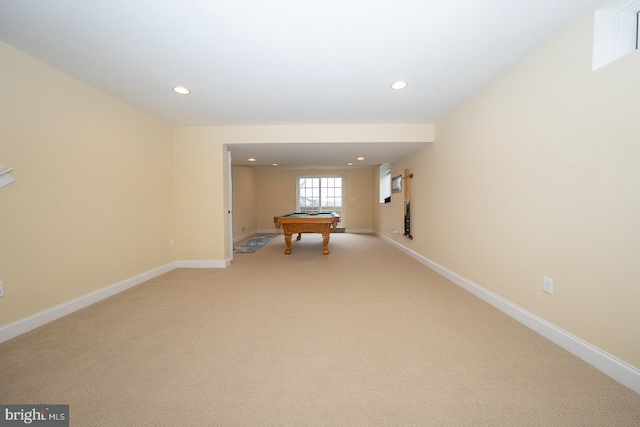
pixel 299 222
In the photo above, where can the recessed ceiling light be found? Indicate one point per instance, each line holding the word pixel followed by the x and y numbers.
pixel 399 85
pixel 350 164
pixel 252 159
pixel 181 90
pixel 360 158
pixel 274 164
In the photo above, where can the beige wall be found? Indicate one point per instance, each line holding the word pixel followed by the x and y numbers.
pixel 245 213
pixel 276 195
pixel 200 179
pixel 92 203
pixel 537 175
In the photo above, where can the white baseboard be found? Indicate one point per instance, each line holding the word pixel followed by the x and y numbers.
pixel 19 327
pixel 270 231
pixel 36 320
pixel 615 368
pixel 204 264
pixel 346 230
pixel 244 236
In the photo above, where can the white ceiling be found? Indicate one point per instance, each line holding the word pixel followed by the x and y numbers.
pixel 278 62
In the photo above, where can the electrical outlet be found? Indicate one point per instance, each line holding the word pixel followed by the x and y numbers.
pixel 171 244
pixel 547 285
pixel 242 228
pixel 1 288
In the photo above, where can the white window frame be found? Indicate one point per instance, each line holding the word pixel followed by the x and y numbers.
pixel 638 30
pixel 615 31
pixel 322 196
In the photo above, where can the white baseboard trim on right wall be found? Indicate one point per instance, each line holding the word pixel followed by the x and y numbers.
pixel 615 368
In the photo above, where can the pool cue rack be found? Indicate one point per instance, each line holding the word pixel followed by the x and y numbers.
pixel 407 204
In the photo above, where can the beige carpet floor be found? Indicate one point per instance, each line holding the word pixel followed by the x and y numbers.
pixel 366 336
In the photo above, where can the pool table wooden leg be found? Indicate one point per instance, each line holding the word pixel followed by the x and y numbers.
pixel 325 243
pixel 299 236
pixel 287 240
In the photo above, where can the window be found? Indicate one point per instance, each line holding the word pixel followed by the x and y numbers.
pixel 615 31
pixel 320 194
pixel 385 183
pixel 396 184
pixel 629 27
pixel 638 30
